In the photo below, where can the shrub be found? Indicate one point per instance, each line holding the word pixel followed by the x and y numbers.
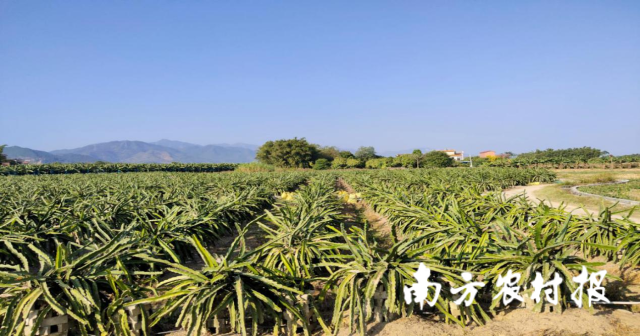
pixel 355 163
pixel 255 167
pixel 405 160
pixel 378 163
pixel 339 163
pixel 437 159
pixel 321 164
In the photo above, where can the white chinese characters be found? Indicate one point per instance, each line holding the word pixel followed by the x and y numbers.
pixel 539 284
pixel 470 290
pixel 510 288
pixel 595 292
pixel 421 288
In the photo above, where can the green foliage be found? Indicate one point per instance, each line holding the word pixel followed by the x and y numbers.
pixel 329 153
pixel 3 157
pixel 355 282
pixel 461 226
pixel 630 190
pixel 628 158
pixel 90 245
pixel 436 159
pixel 583 154
pixel 346 154
pixel 562 158
pixel 255 167
pixel 339 163
pixel 82 282
pixel 103 167
pixel 405 160
pixel 355 163
pixel 224 285
pixel 365 153
pixel 379 163
pixel 298 230
pixel 292 153
pixel 321 164
pixel 343 163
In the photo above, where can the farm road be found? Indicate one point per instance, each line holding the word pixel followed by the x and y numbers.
pixel 530 192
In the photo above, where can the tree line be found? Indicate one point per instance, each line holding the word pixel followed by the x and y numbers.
pixel 299 153
pixel 580 157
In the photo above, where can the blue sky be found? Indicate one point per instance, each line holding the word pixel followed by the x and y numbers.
pixel 471 75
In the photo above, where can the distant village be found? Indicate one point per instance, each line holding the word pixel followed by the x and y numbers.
pixel 459 156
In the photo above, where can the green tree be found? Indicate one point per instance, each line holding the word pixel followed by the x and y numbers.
pixel 379 163
pixel 558 156
pixel 355 163
pixel 346 155
pixel 437 159
pixel 417 154
pixel 3 157
pixel 321 164
pixel 295 153
pixel 339 163
pixel 365 153
pixel 329 152
pixel 404 160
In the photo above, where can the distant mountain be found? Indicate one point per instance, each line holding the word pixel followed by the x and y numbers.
pixel 179 145
pixel 219 154
pixel 127 151
pixel 240 145
pixel 163 151
pixel 36 156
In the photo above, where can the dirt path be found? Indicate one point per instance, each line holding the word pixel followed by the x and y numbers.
pixel 519 322
pixel 531 194
pixel 379 223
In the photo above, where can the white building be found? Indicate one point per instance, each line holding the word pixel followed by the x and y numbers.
pixel 458 156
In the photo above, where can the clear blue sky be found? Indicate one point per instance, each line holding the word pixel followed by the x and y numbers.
pixel 470 75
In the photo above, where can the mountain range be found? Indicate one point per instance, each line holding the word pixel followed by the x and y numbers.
pixel 163 151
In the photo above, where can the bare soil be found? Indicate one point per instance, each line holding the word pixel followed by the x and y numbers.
pixel 519 322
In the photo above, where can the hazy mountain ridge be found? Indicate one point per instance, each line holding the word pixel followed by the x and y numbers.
pixel 163 151
pixel 180 145
pixel 36 156
pixel 127 151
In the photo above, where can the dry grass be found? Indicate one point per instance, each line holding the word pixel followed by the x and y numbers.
pixel 586 176
pixel 591 178
pixel 556 193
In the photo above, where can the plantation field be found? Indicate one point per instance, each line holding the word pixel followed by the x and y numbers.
pixel 257 253
pixel 95 168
